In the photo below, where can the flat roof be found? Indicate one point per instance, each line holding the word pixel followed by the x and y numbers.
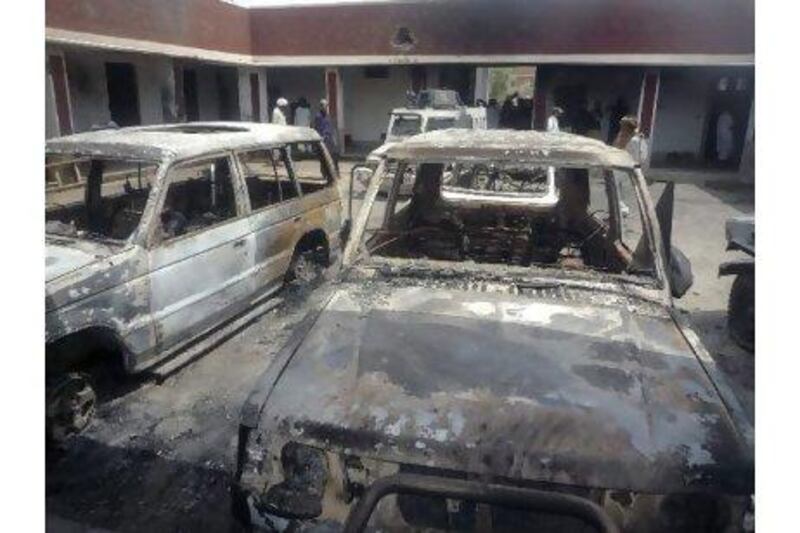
pixel 180 141
pixel 562 149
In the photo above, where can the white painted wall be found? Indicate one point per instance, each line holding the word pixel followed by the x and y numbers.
pixel 368 102
pixel 681 113
pixel 481 84
pixel 245 101
pixel 155 77
pixel 89 94
pixel 87 87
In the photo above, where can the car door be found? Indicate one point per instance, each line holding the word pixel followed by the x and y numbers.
pixel 276 219
pixel 201 252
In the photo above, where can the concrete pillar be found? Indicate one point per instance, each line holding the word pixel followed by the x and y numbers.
pixel 262 95
pixel 57 76
pixel 51 115
pixel 482 84
pixel 253 105
pixel 245 103
pixel 180 102
pixel 334 95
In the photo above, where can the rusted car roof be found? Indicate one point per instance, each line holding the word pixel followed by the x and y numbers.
pixel 178 140
pixel 563 149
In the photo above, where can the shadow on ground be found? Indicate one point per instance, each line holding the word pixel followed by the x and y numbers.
pixel 106 487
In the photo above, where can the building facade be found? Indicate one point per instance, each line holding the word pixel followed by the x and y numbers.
pixel 684 68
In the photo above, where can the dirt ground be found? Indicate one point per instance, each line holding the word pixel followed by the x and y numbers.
pixel 159 456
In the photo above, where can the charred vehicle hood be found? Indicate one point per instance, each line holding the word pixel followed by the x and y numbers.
pixel 511 387
pixel 63 256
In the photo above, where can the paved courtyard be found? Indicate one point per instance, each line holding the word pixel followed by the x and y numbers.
pixel 159 455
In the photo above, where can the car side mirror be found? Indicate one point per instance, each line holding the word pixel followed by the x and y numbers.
pixel 679 268
pixel 680 273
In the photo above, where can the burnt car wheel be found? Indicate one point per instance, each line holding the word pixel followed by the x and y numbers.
pixel 71 404
pixel 307 266
pixel 742 311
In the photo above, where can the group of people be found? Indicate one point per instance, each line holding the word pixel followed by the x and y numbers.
pixel 589 123
pixel 299 114
pixel 516 113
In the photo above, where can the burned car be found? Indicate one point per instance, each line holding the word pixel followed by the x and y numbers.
pixel 155 235
pixel 500 352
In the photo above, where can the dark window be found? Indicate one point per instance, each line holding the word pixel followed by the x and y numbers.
pixel 378 73
pixel 94 197
pixel 406 125
pixel 123 94
pixel 227 89
pixel 190 97
pixel 269 177
pixel 255 99
pixel 440 124
pixel 200 195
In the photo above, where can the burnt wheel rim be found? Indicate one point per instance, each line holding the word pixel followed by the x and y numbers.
pixel 71 406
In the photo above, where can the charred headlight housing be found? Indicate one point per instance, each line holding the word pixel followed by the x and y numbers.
pixel 300 493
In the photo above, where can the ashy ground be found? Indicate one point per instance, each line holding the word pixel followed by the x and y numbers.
pixel 159 455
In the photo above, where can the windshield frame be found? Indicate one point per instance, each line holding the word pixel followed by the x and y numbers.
pixel 137 235
pixel 655 285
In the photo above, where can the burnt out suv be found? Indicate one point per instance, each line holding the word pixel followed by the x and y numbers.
pixel 501 352
pixel 157 235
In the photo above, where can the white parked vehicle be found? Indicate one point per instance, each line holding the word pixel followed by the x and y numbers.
pixel 435 110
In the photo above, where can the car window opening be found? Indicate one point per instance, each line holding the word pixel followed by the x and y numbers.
pixel 512 214
pixel 200 195
pixel 95 198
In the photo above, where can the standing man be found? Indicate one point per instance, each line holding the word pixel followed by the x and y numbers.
pixel 552 120
pixel 302 115
pixel 324 126
pixel 279 113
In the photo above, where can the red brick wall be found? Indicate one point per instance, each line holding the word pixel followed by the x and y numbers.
pixel 473 27
pixel 207 24
pixel 511 27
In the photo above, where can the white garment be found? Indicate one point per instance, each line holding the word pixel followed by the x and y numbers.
pixel 552 123
pixel 302 117
pixel 278 117
pixel 637 147
pixel 724 136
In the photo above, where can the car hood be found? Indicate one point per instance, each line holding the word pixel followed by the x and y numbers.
pixel 63 256
pixel 511 387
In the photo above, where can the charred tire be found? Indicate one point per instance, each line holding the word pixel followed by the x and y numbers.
pixel 307 266
pixel 71 402
pixel 742 311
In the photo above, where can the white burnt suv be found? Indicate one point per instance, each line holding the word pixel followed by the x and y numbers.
pixel 156 235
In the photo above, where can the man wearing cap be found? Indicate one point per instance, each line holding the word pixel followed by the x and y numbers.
pixel 279 113
pixel 326 129
pixel 552 121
